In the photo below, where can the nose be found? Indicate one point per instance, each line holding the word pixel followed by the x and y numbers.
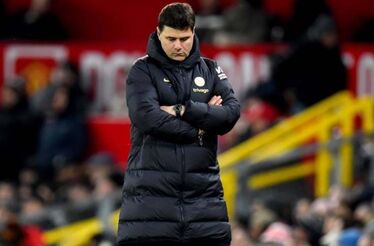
pixel 177 45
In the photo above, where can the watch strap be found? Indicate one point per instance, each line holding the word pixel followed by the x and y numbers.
pixel 178 110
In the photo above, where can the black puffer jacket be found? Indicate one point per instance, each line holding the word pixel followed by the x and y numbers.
pixel 172 190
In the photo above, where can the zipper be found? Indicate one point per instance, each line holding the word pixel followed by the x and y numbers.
pixel 200 137
pixel 181 200
pixel 174 83
pixel 201 142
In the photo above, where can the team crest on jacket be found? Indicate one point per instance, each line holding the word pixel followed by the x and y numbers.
pixel 199 81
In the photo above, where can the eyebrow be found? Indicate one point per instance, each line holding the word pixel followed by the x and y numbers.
pixel 184 37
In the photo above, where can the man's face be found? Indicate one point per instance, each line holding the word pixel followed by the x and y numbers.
pixel 177 44
pixel 9 97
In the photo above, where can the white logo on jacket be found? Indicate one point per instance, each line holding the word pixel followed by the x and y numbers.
pixel 221 74
pixel 198 90
pixel 199 81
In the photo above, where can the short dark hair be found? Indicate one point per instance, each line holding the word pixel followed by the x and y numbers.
pixel 177 15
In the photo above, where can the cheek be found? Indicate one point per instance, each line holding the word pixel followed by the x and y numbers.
pixel 166 46
pixel 188 46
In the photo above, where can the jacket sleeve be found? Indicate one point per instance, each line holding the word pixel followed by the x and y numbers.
pixel 215 119
pixel 145 113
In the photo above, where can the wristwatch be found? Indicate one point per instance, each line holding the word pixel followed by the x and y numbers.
pixel 178 110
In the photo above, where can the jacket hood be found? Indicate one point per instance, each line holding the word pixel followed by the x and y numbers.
pixel 155 51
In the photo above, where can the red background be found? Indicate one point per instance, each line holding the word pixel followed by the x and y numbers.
pixel 134 20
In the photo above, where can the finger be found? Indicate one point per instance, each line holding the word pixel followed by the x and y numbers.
pixel 165 108
pixel 218 103
pixel 214 100
pixel 218 100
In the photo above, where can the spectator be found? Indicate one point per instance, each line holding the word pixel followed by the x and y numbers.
pixel 63 136
pixel 332 228
pixel 239 236
pixel 278 233
pixel 80 201
pixel 107 194
pixel 64 74
pixel 312 70
pixel 302 208
pixel 34 211
pixel 18 130
pixel 209 19
pixel 207 7
pixel 349 237
pixel 246 22
pixel 35 23
pixel 364 213
pixel 257 116
pixel 366 240
pixel 259 219
pixel 305 13
pixel 8 195
pixel 107 182
pixel 309 217
pixel 13 233
pixel 260 115
pixel 100 166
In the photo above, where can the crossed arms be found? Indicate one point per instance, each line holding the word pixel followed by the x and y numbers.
pixel 217 116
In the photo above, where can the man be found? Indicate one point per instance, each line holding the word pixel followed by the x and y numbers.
pixel 178 103
pixel 19 128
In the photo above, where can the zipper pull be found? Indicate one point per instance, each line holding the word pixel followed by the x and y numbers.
pixel 200 135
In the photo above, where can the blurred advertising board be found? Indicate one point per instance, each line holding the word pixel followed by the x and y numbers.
pixel 104 66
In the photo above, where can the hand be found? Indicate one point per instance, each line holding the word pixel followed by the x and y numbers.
pixel 168 109
pixel 216 100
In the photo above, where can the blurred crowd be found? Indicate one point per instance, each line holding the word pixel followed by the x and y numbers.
pixel 36 22
pixel 250 21
pixel 49 179
pixel 301 75
pixel 342 218
pixel 32 205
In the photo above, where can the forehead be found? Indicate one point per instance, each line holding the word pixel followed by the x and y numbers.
pixel 176 33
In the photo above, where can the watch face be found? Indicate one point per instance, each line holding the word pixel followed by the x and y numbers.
pixel 177 109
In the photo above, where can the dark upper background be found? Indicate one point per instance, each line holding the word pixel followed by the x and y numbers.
pixel 132 21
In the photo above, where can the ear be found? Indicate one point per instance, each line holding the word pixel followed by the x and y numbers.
pixel 158 32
